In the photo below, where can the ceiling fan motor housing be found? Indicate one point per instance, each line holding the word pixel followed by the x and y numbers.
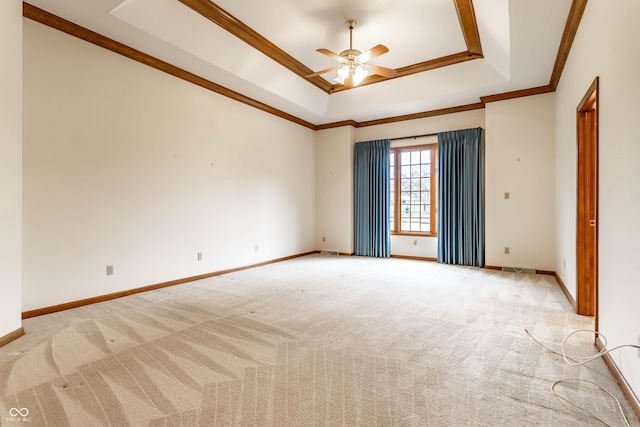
pixel 350 54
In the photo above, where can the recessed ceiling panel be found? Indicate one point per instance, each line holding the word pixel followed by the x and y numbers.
pixel 413 30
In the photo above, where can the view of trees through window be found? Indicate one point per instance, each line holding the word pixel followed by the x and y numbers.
pixel 413 185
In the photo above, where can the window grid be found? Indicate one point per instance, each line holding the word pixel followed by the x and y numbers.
pixel 413 189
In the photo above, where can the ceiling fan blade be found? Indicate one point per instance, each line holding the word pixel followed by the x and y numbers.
pixel 328 70
pixel 332 55
pixel 381 71
pixel 372 53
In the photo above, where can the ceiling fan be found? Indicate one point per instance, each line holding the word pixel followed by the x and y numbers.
pixel 353 66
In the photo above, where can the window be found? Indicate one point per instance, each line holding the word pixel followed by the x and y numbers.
pixel 413 190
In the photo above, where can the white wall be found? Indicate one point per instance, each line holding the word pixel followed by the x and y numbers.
pixel 128 166
pixel 605 46
pixel 334 189
pixel 10 165
pixel 426 247
pixel 520 153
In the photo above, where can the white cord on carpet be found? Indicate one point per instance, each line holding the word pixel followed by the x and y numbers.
pixel 568 402
pixel 581 360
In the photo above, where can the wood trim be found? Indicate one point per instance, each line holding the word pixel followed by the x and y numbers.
pixel 11 336
pixel 517 94
pixel 587 202
pixel 432 113
pixel 346 253
pixel 352 123
pixel 60 24
pixel 420 67
pixel 228 22
pixel 590 96
pixel 622 381
pixel 571 27
pixel 416 258
pixel 572 301
pixel 107 297
pixel 469 26
pixel 569 34
pixel 546 272
pixel 395 119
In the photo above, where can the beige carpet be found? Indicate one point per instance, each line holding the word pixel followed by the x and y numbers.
pixel 314 341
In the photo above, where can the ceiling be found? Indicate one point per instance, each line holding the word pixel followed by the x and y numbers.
pixel 448 53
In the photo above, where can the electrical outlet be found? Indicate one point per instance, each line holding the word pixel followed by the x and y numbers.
pixel 564 263
pixel 507 196
pixel 639 346
pixel 199 256
pixel 109 270
pixel 415 242
pixel 323 239
pixel 256 248
pixel 507 250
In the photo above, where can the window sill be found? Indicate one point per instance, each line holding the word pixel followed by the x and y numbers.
pixel 413 233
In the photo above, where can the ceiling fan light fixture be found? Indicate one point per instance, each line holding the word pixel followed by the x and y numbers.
pixel 343 74
pixel 354 68
pixel 359 75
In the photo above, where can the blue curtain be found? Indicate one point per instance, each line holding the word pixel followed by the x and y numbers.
pixel 461 197
pixel 372 199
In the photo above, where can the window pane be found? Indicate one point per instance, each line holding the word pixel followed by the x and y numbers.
pixel 425 156
pixel 415 157
pixel 415 171
pixel 425 226
pixel 405 158
pixel 415 184
pixel 425 197
pixel 405 184
pixel 425 170
pixel 405 172
pixel 425 184
pixel 405 202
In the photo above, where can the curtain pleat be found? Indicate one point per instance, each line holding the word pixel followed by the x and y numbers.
pixel 461 197
pixel 371 205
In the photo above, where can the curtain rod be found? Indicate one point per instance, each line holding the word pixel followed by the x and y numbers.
pixel 413 137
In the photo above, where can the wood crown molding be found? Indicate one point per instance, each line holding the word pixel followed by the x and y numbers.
pixel 11 336
pixel 516 94
pixel 228 22
pixel 464 8
pixel 432 113
pixel 469 26
pixel 569 34
pixel 231 24
pixel 107 297
pixel 60 24
pixel 422 115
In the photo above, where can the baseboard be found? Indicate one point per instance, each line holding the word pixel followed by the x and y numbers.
pixel 545 272
pixel 573 302
pixel 417 258
pixel 624 385
pixel 11 336
pixel 107 297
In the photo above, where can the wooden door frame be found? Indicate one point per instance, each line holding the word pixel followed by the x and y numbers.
pixel 587 120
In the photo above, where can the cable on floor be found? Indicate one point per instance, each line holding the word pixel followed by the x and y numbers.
pixel 574 360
